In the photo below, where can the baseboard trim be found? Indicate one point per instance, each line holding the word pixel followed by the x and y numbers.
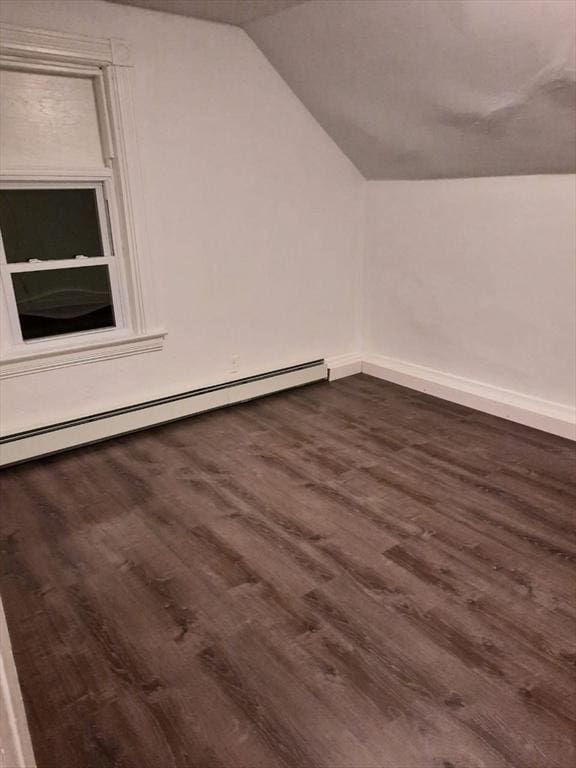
pixel 100 426
pixel 548 416
pixel 556 418
pixel 343 365
pixel 15 744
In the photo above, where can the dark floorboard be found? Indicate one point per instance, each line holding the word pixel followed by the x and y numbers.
pixel 348 575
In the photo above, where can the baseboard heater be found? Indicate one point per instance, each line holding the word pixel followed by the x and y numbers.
pixel 42 441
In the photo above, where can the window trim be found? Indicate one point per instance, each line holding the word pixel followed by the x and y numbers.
pixel 108 63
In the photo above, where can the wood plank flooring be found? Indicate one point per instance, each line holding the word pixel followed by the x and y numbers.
pixel 348 575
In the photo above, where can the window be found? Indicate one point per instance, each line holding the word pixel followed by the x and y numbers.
pixel 72 286
pixel 58 260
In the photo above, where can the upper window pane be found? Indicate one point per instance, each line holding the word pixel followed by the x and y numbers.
pixel 49 224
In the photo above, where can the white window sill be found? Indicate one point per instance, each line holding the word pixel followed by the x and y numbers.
pixel 36 361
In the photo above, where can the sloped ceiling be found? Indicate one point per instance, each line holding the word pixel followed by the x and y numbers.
pixel 419 89
pixel 225 11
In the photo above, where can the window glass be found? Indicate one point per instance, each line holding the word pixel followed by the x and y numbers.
pixel 56 301
pixel 49 224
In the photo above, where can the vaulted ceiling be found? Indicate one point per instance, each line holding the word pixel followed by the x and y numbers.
pixel 415 89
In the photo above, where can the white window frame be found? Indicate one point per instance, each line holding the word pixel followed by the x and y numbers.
pixel 107 63
pixel 108 259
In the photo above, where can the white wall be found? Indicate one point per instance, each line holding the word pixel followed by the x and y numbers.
pixel 476 278
pixel 255 222
pixel 253 214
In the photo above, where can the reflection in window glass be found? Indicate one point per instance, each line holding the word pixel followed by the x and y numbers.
pixel 49 224
pixel 57 301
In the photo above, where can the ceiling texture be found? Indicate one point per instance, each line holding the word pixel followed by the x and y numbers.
pixel 237 12
pixel 421 89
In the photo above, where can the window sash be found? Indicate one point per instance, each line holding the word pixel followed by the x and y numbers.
pixel 117 303
pixel 40 266
pixel 103 212
pixel 108 259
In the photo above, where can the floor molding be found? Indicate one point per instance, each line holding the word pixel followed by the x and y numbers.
pixel 15 744
pixel 548 416
pixel 343 365
pixel 100 426
pixel 555 418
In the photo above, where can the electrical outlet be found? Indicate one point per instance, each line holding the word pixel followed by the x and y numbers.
pixel 235 364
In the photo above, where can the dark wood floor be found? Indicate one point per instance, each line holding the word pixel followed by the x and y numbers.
pixel 349 575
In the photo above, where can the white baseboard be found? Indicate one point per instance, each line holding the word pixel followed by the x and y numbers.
pixel 15 745
pixel 343 365
pixel 556 418
pixel 91 429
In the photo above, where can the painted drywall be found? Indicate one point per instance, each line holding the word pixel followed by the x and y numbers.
pixel 253 216
pixel 476 278
pixel 417 89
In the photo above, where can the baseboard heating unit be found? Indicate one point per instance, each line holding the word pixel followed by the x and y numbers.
pixel 100 426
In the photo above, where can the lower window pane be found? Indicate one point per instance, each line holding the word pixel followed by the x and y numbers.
pixel 56 301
